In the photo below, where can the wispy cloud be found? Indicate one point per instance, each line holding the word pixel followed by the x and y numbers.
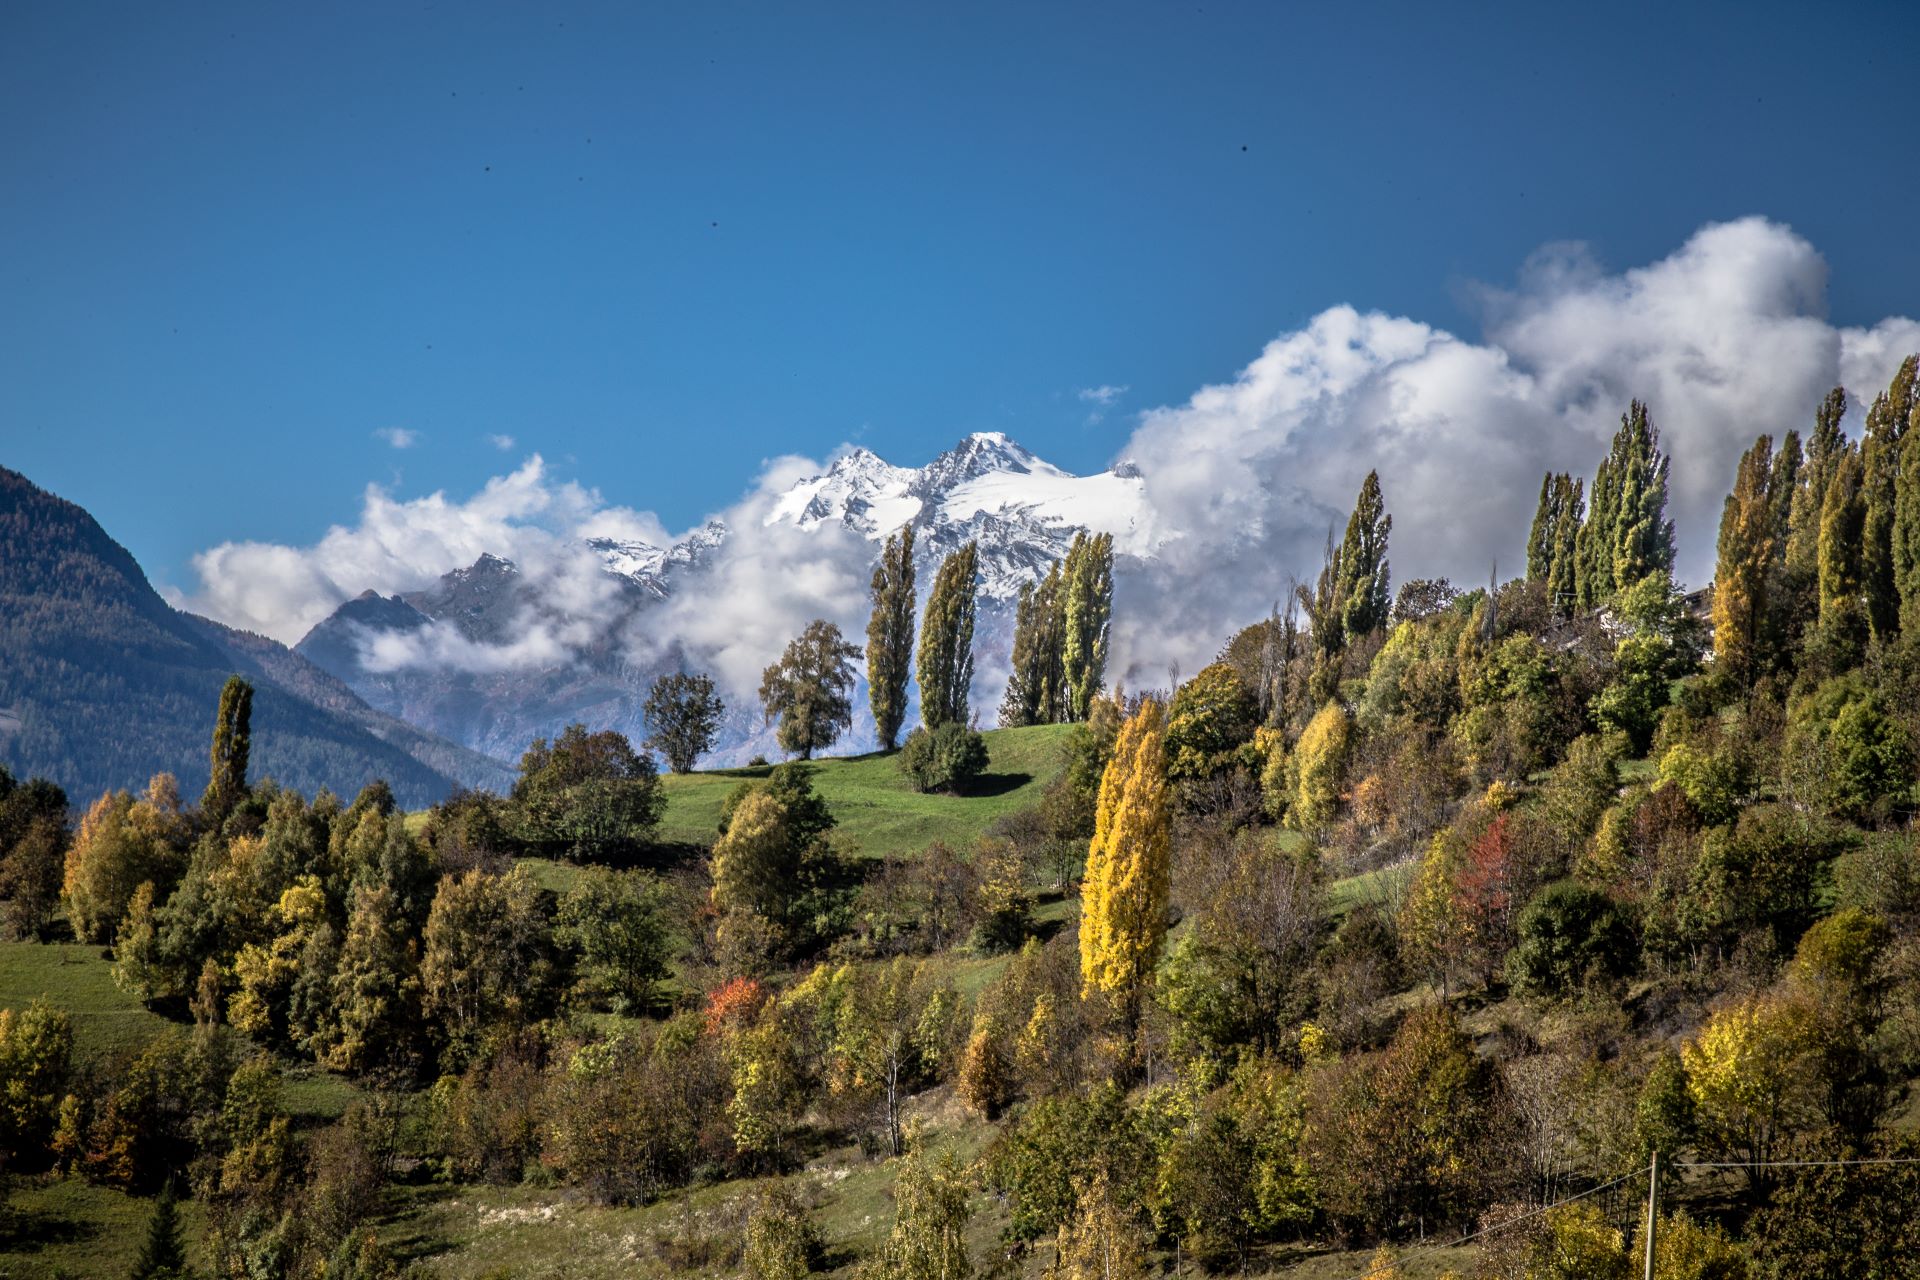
pixel 1102 398
pixel 504 443
pixel 398 437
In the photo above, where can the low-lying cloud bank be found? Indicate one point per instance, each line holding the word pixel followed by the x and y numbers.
pixel 1725 338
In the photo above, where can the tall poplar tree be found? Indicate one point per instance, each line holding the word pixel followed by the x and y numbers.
pixel 1843 622
pixel 1880 454
pixel 1744 572
pixel 890 637
pixel 1363 587
pixel 1627 534
pixel 232 741
pixel 1906 529
pixel 1086 611
pixel 1034 688
pixel 1123 899
pixel 1562 571
pixel 1541 535
pixel 945 663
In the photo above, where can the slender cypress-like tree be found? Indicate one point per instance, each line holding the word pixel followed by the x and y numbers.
pixel 1363 587
pixel 1880 455
pixel 1086 620
pixel 1627 534
pixel 1744 570
pixel 890 637
pixel 1123 898
pixel 1905 532
pixel 1643 536
pixel 1541 536
pixel 1786 606
pixel 1034 694
pixel 945 664
pixel 1561 574
pixel 232 740
pixel 1843 616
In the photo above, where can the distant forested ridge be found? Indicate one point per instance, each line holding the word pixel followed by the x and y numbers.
pixel 103 684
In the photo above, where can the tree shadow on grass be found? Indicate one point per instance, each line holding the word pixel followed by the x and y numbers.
pixel 996 784
pixel 24 1231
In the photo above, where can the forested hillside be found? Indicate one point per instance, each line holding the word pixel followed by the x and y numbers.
pixel 102 684
pixel 1427 931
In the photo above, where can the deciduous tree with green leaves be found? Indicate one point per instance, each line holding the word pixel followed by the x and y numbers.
pixel 945 663
pixel 808 690
pixel 683 713
pixel 890 637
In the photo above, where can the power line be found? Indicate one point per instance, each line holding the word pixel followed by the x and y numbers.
pixel 1791 1164
pixel 1471 1236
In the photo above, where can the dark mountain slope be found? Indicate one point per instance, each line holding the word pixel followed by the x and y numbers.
pixel 103 684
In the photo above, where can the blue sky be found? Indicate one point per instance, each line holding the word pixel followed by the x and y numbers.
pixel 658 244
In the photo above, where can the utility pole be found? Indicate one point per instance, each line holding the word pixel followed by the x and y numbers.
pixel 1653 1208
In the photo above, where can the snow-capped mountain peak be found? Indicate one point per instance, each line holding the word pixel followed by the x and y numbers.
pixel 988 488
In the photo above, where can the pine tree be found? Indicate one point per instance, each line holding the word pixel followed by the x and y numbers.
pixel 808 689
pixel 1086 620
pixel 1362 589
pixel 890 637
pixel 945 664
pixel 1881 450
pixel 1123 900
pixel 1742 575
pixel 163 1254
pixel 227 780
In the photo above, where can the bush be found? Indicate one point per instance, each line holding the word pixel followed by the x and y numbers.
pixel 944 759
pixel 1569 935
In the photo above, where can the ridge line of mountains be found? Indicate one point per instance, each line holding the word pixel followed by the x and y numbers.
pixel 103 683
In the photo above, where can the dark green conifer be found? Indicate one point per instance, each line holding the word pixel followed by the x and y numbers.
pixel 163 1254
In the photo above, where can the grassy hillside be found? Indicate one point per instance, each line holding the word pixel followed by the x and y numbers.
pixel 77 979
pixel 878 809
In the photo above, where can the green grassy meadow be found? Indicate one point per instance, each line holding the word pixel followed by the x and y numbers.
pixel 878 810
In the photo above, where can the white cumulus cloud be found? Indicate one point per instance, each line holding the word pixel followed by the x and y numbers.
pixel 1724 339
pixel 398 437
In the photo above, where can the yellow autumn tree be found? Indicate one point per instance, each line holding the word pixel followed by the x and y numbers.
pixel 1123 902
pixel 1318 767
